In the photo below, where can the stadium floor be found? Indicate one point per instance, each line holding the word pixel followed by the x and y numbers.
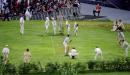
pixel 48 48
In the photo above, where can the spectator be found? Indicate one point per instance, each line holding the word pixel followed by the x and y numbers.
pixel 98 9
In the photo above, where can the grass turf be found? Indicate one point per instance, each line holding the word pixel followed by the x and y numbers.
pixel 48 48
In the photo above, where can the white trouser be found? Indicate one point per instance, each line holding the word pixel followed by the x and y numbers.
pixel 65 47
pixel 5 56
pixel 75 32
pixel 98 54
pixel 126 50
pixel 54 29
pixel 27 59
pixel 68 31
pixel 21 28
pixel 121 36
pixel 71 54
pixel 46 26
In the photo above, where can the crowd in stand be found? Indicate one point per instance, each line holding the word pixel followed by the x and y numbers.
pixel 35 6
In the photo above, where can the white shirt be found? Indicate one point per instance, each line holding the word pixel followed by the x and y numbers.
pixel 98 50
pixel 22 20
pixel 5 50
pixel 27 14
pixel 73 52
pixel 66 40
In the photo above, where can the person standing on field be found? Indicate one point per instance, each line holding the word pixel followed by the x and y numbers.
pixel 21 24
pixel 5 53
pixel 66 44
pixel 76 27
pixel 54 25
pixel 47 24
pixel 27 56
pixel 98 52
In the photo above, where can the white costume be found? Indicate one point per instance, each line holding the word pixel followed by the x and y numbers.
pixel 27 57
pixel 126 46
pixel 28 14
pixel 54 25
pixel 22 25
pixel 66 43
pixel 73 53
pixel 5 53
pixel 47 24
pixel 60 19
pixel 76 28
pixel 98 52
pixel 115 25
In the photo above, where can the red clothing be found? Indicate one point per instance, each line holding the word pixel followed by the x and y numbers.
pixel 98 7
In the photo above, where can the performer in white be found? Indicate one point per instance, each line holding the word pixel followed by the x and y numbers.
pixel 66 44
pixel 22 24
pixel 28 14
pixel 54 25
pixel 60 23
pixel 126 46
pixel 121 24
pixel 47 23
pixel 5 53
pixel 115 25
pixel 98 52
pixel 27 56
pixel 73 53
pixel 76 27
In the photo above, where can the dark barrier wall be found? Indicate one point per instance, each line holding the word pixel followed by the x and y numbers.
pixel 123 4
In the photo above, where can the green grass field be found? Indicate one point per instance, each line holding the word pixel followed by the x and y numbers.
pixel 48 48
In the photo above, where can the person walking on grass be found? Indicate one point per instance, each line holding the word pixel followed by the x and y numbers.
pixel 27 56
pixel 21 24
pixel 66 43
pixel 98 52
pixel 47 24
pixel 54 25
pixel 5 53
pixel 121 35
pixel 76 27
pixel 60 23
